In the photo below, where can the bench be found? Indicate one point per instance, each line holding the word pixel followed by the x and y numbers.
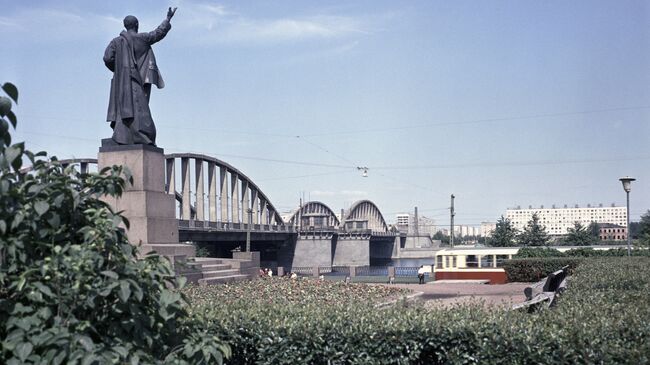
pixel 544 291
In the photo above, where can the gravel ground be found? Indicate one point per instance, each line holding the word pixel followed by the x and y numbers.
pixel 447 294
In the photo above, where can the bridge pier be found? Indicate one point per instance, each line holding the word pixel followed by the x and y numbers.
pixel 150 211
pixel 351 250
pixel 306 250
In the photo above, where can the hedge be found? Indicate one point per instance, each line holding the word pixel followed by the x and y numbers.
pixel 535 269
pixel 528 252
pixel 602 318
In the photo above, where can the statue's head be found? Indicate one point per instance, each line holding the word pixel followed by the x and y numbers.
pixel 131 23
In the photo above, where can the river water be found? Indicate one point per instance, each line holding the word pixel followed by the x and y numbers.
pixel 402 262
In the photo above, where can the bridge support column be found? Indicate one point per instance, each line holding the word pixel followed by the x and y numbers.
pixel 306 251
pixel 351 251
pixel 149 209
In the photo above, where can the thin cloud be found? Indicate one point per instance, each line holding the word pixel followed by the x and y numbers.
pixel 199 22
pixel 225 26
pixel 60 25
pixel 7 23
pixel 289 29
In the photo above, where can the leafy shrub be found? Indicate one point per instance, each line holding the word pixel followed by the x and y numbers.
pixel 619 252
pixel 71 287
pixel 526 252
pixel 601 319
pixel 535 269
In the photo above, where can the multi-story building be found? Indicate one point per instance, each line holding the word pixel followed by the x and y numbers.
pixel 487 228
pixel 558 220
pixel 406 223
pixel 468 231
pixel 612 232
pixel 460 230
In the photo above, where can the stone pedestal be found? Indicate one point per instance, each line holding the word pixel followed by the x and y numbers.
pixel 149 209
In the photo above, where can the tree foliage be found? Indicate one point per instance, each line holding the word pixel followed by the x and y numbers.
pixel 579 235
pixel 534 233
pixel 71 287
pixel 504 234
pixel 594 230
pixel 644 229
pixel 443 238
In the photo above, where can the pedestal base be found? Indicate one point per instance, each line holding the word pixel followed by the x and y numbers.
pixel 150 210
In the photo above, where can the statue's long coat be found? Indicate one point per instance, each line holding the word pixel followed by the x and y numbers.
pixel 132 61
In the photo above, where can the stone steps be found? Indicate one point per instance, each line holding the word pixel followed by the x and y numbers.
pixel 220 273
pixel 223 279
pixel 215 267
pixel 206 261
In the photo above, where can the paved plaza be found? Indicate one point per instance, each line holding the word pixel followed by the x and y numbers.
pixel 450 293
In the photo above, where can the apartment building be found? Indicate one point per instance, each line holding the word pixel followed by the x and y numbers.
pixel 558 220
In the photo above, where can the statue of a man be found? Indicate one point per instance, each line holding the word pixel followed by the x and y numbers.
pixel 132 61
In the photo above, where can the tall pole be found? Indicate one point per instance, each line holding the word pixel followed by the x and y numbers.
pixel 416 223
pixel 300 216
pixel 627 186
pixel 451 233
pixel 629 236
pixel 248 229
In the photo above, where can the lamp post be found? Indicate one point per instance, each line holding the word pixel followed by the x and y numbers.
pixel 248 229
pixel 627 186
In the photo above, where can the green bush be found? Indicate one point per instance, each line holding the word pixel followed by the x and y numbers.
pixel 601 319
pixel 535 269
pixel 71 287
pixel 526 252
pixel 620 252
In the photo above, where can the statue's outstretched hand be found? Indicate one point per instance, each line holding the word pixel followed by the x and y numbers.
pixel 170 13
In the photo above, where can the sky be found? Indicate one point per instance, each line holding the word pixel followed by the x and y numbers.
pixel 501 103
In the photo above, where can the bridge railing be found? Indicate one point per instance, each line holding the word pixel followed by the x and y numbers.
pixel 231 227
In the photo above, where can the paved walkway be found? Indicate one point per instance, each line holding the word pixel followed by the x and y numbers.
pixel 444 294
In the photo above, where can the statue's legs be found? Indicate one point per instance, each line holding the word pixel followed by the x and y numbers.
pixel 140 129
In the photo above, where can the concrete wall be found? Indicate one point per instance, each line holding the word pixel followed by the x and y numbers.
pixel 418 242
pixel 351 252
pixel 306 253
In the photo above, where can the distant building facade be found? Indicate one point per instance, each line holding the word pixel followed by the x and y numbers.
pixel 468 231
pixel 612 232
pixel 487 228
pixel 406 223
pixel 558 220
pixel 461 231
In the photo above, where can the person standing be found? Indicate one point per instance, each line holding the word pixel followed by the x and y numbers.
pixel 421 272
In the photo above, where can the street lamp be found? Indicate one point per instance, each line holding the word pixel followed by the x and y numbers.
pixel 627 186
pixel 248 229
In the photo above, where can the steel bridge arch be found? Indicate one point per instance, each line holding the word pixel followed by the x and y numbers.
pixel 236 190
pixel 312 210
pixel 227 188
pixel 365 210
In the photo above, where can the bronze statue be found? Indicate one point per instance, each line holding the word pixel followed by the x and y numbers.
pixel 133 64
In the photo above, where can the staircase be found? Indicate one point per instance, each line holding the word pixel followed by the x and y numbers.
pixel 217 271
pixel 207 270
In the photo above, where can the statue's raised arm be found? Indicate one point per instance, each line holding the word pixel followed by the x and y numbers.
pixel 170 13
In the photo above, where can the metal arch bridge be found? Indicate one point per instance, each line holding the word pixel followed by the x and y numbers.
pixel 216 197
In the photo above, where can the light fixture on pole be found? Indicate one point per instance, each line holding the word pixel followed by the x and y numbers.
pixel 627 186
pixel 365 171
pixel 248 229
